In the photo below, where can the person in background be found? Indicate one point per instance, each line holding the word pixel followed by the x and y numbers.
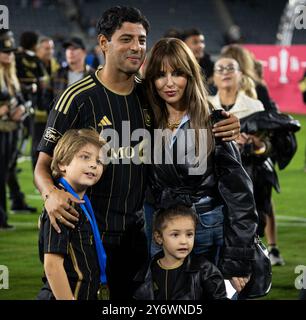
pixel 30 73
pixel 247 67
pixel 12 111
pixel 75 67
pixel 45 52
pixel 195 40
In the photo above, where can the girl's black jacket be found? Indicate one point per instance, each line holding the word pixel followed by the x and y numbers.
pixel 203 281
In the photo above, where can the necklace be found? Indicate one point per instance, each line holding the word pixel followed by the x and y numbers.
pixel 174 266
pixel 173 125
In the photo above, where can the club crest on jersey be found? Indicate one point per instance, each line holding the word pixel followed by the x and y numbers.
pixel 147 117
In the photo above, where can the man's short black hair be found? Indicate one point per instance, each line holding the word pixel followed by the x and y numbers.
pixel 191 32
pixel 113 18
pixel 28 40
pixel 173 33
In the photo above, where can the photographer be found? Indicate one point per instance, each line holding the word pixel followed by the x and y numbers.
pixel 12 112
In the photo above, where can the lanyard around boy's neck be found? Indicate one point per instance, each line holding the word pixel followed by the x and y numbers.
pixel 87 208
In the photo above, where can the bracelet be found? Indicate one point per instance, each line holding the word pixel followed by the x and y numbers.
pixel 48 194
pixel 261 150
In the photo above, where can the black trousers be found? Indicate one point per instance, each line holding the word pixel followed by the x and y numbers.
pixel 6 150
pixel 126 254
pixel 12 180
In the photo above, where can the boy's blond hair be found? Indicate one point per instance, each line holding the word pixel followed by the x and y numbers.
pixel 70 144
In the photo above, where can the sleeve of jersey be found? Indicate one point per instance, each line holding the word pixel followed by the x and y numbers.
pixel 54 242
pixel 63 116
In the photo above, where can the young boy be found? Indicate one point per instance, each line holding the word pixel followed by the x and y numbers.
pixel 175 273
pixel 70 258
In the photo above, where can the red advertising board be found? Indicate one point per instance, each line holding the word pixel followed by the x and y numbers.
pixel 284 67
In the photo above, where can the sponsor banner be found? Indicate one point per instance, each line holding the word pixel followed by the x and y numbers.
pixel 284 67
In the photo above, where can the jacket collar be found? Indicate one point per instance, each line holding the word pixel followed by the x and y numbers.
pixel 191 265
pixel 243 107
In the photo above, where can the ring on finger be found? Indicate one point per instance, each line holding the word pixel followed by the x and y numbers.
pixel 60 218
pixel 233 132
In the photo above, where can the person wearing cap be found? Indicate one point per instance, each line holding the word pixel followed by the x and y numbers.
pixel 11 114
pixel 75 67
pixel 31 76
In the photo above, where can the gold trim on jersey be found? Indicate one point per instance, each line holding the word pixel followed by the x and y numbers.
pixel 87 265
pixel 77 270
pixel 70 90
pixel 175 266
pixel 111 90
pixel 130 172
pixel 75 94
pixel 113 167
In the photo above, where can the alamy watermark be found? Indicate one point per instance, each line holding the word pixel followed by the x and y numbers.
pixel 4 17
pixel 144 147
pixel 4 277
pixel 300 20
pixel 300 280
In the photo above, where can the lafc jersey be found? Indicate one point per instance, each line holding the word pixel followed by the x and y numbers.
pixel 89 104
pixel 78 249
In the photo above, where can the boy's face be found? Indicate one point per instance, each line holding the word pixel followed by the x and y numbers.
pixel 177 238
pixel 127 47
pixel 85 168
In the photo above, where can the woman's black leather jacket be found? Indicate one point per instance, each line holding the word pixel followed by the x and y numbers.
pixel 226 181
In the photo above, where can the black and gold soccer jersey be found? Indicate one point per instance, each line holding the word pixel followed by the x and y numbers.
pixel 78 248
pixel 89 104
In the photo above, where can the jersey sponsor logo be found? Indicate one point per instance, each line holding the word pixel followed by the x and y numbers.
pixel 104 122
pixel 52 135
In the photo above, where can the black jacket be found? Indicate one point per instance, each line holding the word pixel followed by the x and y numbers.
pixel 281 128
pixel 204 281
pixel 226 181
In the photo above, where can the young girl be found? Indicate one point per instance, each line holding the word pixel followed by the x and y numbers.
pixel 175 273
pixel 72 259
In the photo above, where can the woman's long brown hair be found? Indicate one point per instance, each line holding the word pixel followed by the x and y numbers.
pixel 180 58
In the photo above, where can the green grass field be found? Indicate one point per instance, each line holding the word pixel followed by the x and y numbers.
pixel 18 248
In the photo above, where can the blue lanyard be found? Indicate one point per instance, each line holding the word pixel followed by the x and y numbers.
pixel 87 208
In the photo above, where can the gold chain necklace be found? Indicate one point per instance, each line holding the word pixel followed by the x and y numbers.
pixel 173 125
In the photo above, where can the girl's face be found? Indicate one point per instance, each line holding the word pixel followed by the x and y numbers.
pixel 227 74
pixel 177 238
pixel 170 85
pixel 85 168
pixel 6 57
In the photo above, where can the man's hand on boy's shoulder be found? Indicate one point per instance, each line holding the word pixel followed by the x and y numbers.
pixel 59 208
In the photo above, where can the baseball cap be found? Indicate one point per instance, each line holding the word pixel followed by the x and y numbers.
pixel 7 42
pixel 75 42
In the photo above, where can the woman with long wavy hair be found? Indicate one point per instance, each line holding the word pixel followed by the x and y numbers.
pixel 11 112
pixel 226 210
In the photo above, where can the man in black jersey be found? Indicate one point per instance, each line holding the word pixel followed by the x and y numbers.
pixel 103 101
